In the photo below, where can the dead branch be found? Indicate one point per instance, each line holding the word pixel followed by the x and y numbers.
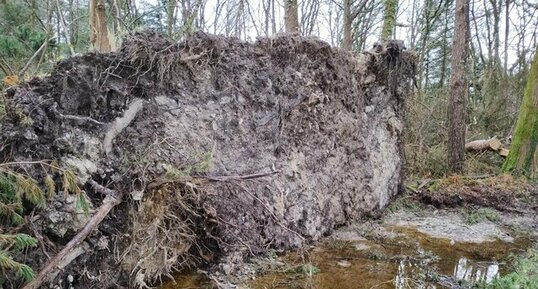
pixel 81 118
pixel 187 179
pixel 101 189
pixel 240 177
pixel 5 66
pixel 39 237
pixel 112 199
pixel 41 48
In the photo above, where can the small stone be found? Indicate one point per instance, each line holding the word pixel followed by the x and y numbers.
pixel 103 243
pixel 343 263
pixel 361 247
pixel 70 278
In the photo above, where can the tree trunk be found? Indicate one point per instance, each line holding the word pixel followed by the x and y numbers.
pixel 389 19
pixel 291 17
pixel 170 17
pixel 348 40
pixel 523 158
pixel 458 90
pixel 506 34
pixel 99 30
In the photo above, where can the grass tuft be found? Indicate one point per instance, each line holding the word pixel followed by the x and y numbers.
pixel 472 216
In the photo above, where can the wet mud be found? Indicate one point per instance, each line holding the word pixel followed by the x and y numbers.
pixel 404 258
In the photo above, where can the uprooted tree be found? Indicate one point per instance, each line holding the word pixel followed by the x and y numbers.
pixel 206 150
pixel 523 158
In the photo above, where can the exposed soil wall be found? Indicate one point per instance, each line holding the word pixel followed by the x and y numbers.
pixel 224 148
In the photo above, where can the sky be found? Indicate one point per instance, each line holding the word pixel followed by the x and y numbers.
pixel 328 9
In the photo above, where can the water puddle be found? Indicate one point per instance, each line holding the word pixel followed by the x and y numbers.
pixel 411 259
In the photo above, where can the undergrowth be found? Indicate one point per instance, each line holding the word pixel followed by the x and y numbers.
pixel 405 204
pixel 523 276
pixel 472 216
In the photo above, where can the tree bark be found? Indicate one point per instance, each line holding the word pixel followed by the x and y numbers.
pixel 389 19
pixel 458 90
pixel 291 16
pixel 98 26
pixel 523 158
pixel 348 41
pixel 506 34
pixel 170 17
pixel 492 144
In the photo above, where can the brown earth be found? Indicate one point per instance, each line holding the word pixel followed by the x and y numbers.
pixel 503 192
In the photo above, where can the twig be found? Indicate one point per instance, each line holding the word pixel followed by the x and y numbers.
pixel 41 162
pixel 101 189
pixel 240 177
pixel 111 200
pixel 275 218
pixel 39 237
pixel 21 73
pixel 81 118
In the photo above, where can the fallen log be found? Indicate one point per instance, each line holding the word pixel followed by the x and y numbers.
pixel 492 144
pixel 111 199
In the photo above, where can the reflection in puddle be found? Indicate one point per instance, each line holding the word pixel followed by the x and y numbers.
pixel 411 260
pixel 466 270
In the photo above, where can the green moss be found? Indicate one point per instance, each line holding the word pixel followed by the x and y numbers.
pixel 405 204
pixel 389 19
pixel 476 216
pixel 521 159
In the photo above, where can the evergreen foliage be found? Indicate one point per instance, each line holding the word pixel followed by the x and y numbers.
pixel 19 193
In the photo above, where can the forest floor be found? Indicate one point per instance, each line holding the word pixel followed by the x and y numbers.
pixel 458 232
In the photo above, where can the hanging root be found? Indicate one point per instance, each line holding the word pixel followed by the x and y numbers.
pixel 121 123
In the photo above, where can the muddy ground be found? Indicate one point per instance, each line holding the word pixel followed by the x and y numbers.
pixel 415 243
pixel 220 149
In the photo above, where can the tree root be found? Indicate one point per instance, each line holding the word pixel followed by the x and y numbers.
pixel 121 123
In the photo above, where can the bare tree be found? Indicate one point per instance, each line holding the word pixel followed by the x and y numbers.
pixel 98 26
pixel 458 89
pixel 291 16
pixel 170 17
pixel 309 14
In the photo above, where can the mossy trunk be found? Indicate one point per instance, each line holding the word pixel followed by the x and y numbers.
pixel 523 158
pixel 389 19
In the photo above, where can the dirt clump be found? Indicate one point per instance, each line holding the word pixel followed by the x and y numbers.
pixel 221 147
pixel 503 192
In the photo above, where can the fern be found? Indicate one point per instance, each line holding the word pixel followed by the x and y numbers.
pixel 15 188
pixel 50 185
pixel 23 271
pixel 81 205
pixel 70 182
pixel 29 188
pixel 23 242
